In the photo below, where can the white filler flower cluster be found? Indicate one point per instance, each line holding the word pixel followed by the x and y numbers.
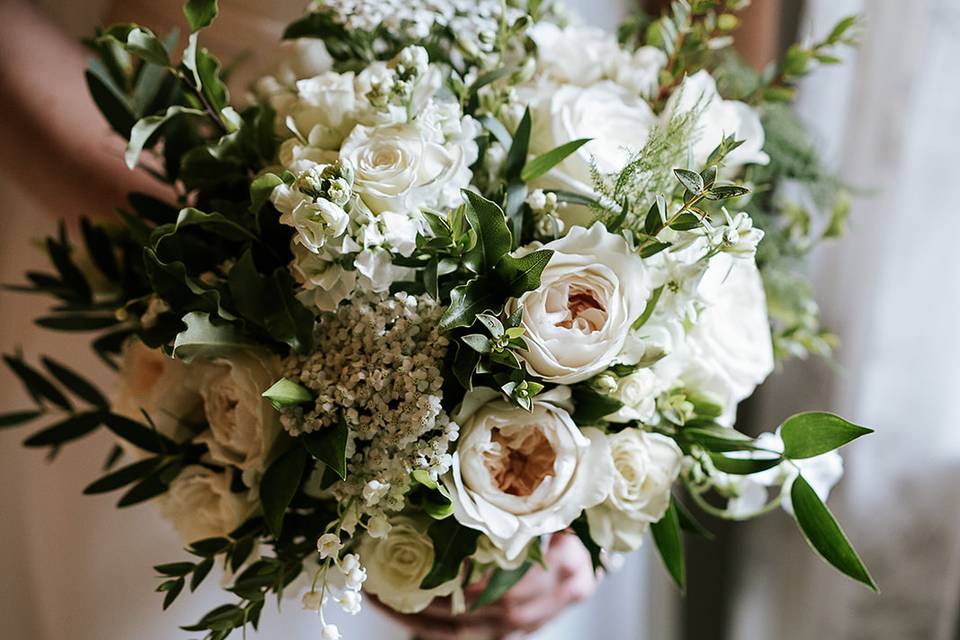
pixel 377 364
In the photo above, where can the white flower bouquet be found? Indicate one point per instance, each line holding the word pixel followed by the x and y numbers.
pixel 457 277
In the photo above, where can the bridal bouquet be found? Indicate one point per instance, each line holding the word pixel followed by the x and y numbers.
pixel 452 278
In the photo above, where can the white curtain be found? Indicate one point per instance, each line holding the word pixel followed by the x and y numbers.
pixel 891 289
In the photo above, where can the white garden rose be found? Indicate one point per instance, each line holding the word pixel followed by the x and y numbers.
pixel 733 332
pixel 646 466
pixel 398 562
pixel 403 167
pixel 520 474
pixel 616 120
pixel 718 118
pixel 640 71
pixel 592 290
pixel 325 109
pixel 162 387
pixel 573 54
pixel 243 425
pixel 201 505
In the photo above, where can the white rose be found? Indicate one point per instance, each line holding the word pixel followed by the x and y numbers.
pixel 718 118
pixel 573 54
pixel 201 505
pixel 733 331
pixel 403 167
pixel 324 112
pixel 646 466
pixel 397 563
pixel 617 121
pixel 590 293
pixel 243 425
pixel 161 386
pixel 517 475
pixel 638 392
pixel 640 71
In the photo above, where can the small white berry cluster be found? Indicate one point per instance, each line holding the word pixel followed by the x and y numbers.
pixel 340 578
pixel 378 365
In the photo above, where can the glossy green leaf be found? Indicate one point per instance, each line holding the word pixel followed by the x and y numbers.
pixel 669 542
pixel 200 13
pixel 452 544
pixel 285 393
pixel 825 536
pixel 143 43
pixel 500 581
pixel 468 300
pixel 279 484
pixel 517 154
pixel 204 339
pixel 691 180
pixel 144 128
pixel 329 446
pixel 540 165
pixel 494 239
pixel 743 466
pixel 806 435
pixel 522 274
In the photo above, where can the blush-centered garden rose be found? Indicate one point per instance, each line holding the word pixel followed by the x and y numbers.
pixel 517 475
pixel 590 293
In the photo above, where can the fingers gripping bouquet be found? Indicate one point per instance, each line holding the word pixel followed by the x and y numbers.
pixel 458 277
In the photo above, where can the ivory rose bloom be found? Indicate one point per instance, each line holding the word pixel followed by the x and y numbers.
pixel 243 425
pixel 573 54
pixel 591 291
pixel 718 118
pixel 646 466
pixel 163 387
pixel 402 167
pixel 397 563
pixel 617 121
pixel 201 505
pixel 517 475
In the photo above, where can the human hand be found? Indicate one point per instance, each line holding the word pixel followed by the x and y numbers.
pixel 538 598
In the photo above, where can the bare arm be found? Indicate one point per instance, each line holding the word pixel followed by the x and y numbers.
pixel 53 140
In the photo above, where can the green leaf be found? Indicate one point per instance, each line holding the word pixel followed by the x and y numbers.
pixel 205 340
pixel 112 104
pixel 143 43
pixel 648 309
pixel 517 154
pixel 174 569
pixel 200 573
pixel 689 523
pixel 288 321
pixel 669 543
pixel 726 191
pixel 172 589
pixel 36 385
pixel 329 446
pixel 279 484
pixel 286 393
pixel 494 239
pixel 823 533
pixel 75 383
pixel 468 300
pixel 685 222
pixel 501 581
pixel 68 429
pixel 478 342
pixel 543 163
pixel 200 13
pixel 713 437
pixel 123 476
pixel 137 434
pixel 76 322
pixel 522 274
pixel 653 249
pixel 261 189
pixel 691 180
pixel 806 435
pixel 452 544
pixel 496 128
pixel 591 406
pixel 743 466
pixel 16 418
pixel 142 131
pixel 216 223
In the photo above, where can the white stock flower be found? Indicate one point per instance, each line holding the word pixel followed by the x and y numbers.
pixel 325 282
pixel 590 293
pixel 517 475
pixel 397 564
pixel 163 387
pixel 574 54
pixel 201 505
pixel 718 118
pixel 403 167
pixel 617 121
pixel 646 466
pixel 316 221
pixel 243 425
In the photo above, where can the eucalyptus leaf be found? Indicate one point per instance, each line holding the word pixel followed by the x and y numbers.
pixel 825 536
